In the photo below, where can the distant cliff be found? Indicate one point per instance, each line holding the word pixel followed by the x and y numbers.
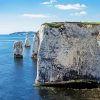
pixel 22 33
pixel 67 51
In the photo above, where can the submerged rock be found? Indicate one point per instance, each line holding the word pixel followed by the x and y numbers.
pixel 18 49
pixel 67 51
pixel 27 41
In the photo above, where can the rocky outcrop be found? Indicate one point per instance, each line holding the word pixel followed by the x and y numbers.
pixel 27 41
pixel 67 51
pixel 35 46
pixel 18 49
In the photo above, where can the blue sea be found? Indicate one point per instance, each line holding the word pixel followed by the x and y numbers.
pixel 17 77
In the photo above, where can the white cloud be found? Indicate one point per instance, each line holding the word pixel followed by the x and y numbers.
pixel 36 15
pixel 50 2
pixel 71 6
pixel 79 13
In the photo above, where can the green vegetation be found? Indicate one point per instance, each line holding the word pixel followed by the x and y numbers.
pixel 59 24
pixel 90 23
pixel 54 24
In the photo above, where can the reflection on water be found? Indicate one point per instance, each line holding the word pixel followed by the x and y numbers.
pixel 69 94
pixel 27 51
pixel 18 62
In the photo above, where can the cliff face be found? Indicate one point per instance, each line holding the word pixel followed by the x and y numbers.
pixel 69 51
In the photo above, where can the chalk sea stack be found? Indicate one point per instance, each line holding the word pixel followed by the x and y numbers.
pixel 67 51
pixel 35 46
pixel 18 49
pixel 27 41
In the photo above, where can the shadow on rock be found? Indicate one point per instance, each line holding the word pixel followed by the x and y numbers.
pixel 49 93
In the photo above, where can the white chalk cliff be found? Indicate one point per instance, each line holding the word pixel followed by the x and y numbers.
pixel 67 51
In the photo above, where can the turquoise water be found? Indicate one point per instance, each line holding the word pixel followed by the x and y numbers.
pixel 17 77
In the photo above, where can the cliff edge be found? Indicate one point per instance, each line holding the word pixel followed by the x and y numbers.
pixel 67 51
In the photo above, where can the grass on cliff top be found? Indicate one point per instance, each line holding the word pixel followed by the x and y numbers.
pixel 54 24
pixel 59 24
pixel 90 23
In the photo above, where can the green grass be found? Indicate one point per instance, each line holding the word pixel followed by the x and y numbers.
pixel 54 24
pixel 90 23
pixel 59 24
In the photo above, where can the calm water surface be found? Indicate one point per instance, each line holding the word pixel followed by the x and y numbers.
pixel 17 77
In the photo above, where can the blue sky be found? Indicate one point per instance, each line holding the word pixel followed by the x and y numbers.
pixel 28 15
